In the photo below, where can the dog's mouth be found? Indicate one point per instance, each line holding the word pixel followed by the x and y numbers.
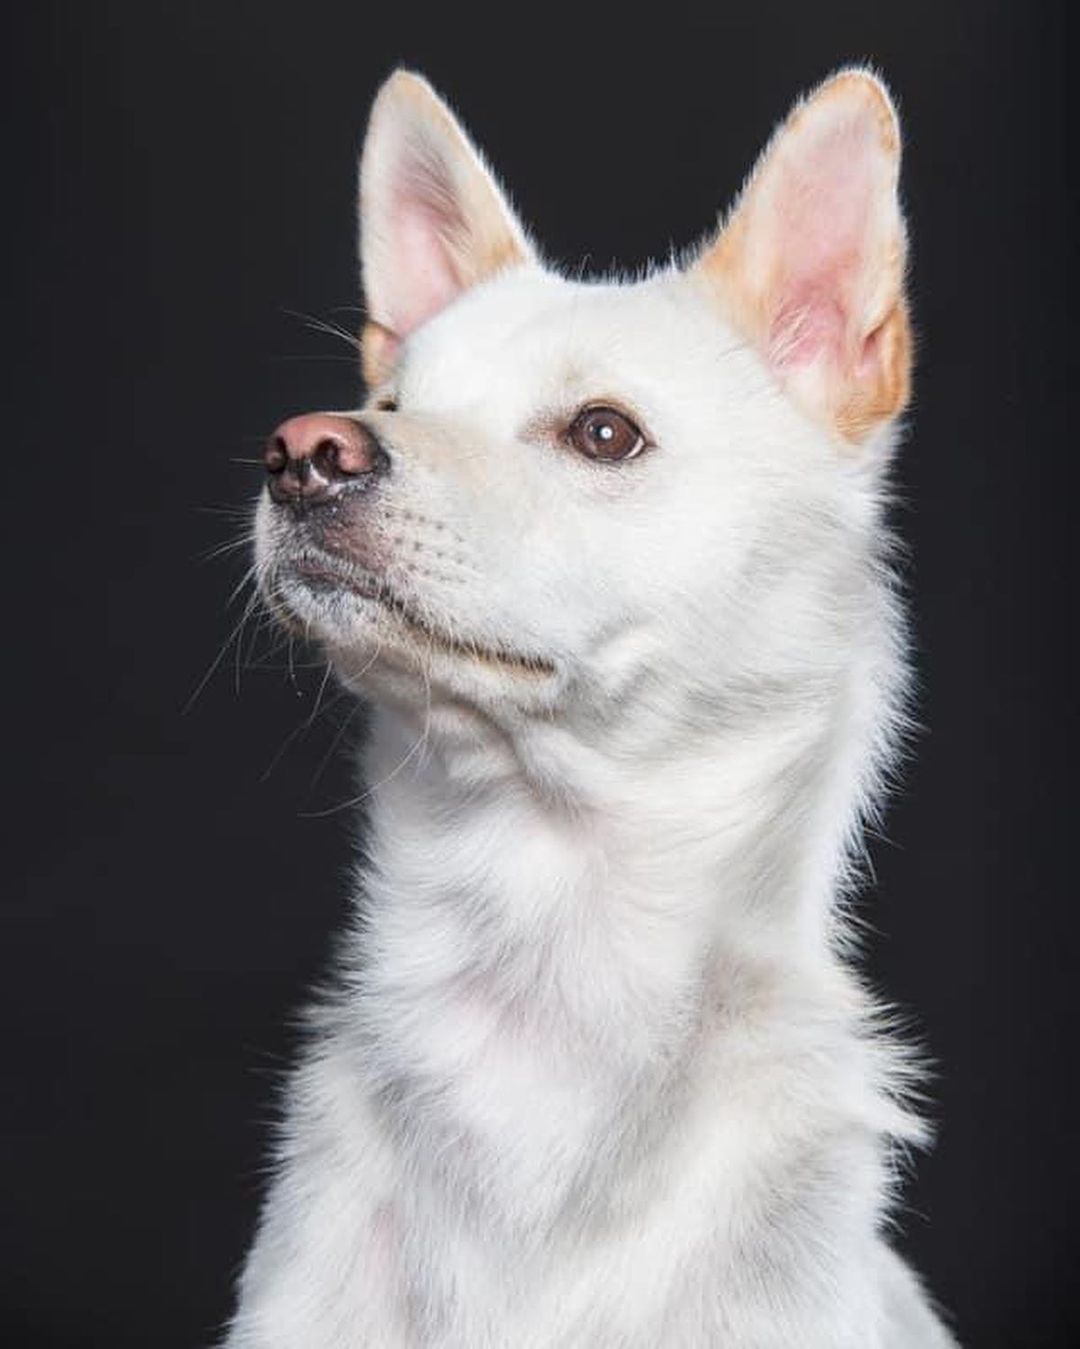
pixel 320 572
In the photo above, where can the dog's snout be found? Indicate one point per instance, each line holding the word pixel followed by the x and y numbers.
pixel 314 457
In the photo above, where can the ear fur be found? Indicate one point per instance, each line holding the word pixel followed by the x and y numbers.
pixel 810 264
pixel 433 221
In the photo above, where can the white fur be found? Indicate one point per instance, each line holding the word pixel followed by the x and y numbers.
pixel 594 1070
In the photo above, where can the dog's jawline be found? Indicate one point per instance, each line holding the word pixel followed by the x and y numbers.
pixel 323 572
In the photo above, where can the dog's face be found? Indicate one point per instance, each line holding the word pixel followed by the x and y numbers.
pixel 560 492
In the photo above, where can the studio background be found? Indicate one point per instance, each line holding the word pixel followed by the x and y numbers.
pixel 179 187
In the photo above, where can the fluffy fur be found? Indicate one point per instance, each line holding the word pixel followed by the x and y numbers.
pixel 595 1071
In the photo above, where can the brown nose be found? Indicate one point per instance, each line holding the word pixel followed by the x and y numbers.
pixel 315 457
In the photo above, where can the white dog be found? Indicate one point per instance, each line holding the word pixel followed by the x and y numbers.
pixel 609 560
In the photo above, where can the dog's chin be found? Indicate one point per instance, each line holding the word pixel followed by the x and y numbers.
pixel 380 642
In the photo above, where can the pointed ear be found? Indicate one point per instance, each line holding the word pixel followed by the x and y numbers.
pixel 811 261
pixel 433 221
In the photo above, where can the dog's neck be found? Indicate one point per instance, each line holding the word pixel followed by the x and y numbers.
pixel 566 869
pixel 554 944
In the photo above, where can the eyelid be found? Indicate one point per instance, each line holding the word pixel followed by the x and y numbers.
pixel 619 405
pixel 554 425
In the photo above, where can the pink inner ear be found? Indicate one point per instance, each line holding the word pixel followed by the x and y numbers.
pixel 822 242
pixel 426 281
pixel 810 324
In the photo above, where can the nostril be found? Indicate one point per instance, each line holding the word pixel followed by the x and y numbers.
pixel 325 458
pixel 276 454
pixel 360 454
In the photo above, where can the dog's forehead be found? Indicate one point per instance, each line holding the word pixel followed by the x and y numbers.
pixel 530 337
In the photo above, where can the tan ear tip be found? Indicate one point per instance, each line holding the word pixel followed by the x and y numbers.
pixel 405 85
pixel 864 91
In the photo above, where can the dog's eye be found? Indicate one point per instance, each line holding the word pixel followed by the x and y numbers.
pixel 604 433
pixel 388 403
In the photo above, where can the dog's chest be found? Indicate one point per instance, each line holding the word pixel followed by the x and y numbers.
pixel 502 1046
pixel 530 1206
pixel 580 1118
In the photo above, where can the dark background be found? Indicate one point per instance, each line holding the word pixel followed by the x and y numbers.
pixel 180 177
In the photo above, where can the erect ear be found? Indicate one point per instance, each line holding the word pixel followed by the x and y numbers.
pixel 811 261
pixel 433 221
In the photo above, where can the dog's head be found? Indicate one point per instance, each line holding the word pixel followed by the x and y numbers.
pixel 563 496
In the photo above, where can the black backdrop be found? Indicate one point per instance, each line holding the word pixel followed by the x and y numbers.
pixel 179 178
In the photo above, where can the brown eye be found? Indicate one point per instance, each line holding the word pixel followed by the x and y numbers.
pixel 387 404
pixel 603 433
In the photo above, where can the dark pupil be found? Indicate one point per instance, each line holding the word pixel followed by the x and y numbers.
pixel 603 431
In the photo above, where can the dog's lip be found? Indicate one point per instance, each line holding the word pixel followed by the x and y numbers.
pixel 319 565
